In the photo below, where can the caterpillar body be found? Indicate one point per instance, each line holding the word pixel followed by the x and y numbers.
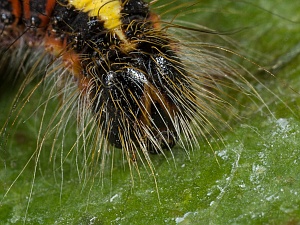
pixel 128 70
pixel 131 81
pixel 125 71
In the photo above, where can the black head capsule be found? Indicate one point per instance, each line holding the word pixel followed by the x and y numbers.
pixel 140 92
pixel 138 89
pixel 138 97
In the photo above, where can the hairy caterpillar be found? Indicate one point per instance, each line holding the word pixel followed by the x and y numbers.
pixel 141 95
pixel 179 103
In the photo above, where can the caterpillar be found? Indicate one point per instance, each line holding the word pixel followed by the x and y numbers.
pixel 127 69
pixel 125 80
pixel 135 83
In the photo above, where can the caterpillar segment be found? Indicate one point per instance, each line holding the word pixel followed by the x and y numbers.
pixel 126 66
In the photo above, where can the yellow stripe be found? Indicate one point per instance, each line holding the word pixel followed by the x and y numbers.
pixel 108 11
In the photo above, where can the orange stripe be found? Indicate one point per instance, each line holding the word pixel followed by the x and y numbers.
pixel 49 7
pixel 16 10
pixel 26 9
pixel 48 11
